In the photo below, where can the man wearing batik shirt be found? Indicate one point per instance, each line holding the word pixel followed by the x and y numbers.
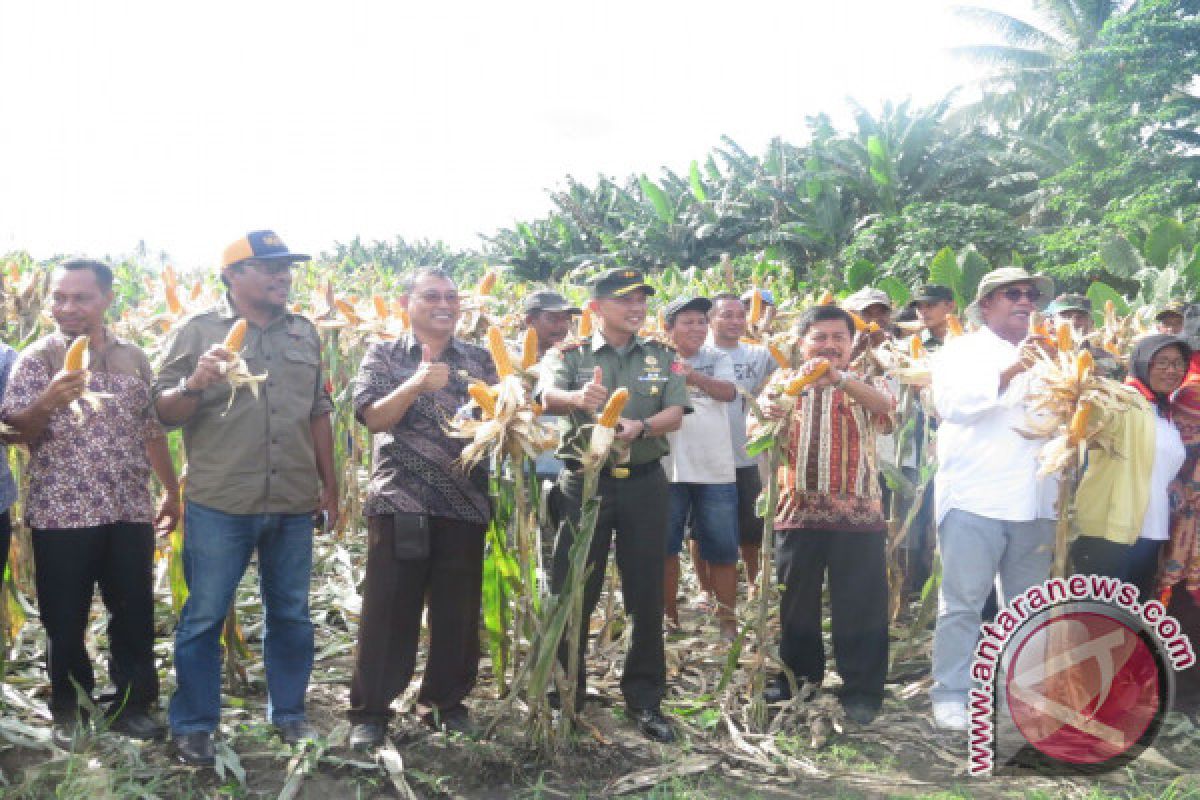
pixel 88 500
pixel 426 517
pixel 829 520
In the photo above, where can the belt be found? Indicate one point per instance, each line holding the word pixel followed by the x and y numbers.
pixel 620 473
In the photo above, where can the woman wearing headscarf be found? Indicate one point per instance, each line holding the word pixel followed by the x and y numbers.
pixel 1123 506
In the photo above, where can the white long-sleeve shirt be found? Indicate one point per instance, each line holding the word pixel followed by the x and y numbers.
pixel 1169 456
pixel 984 466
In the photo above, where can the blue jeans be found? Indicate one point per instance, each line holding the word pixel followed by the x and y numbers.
pixel 714 518
pixel 216 550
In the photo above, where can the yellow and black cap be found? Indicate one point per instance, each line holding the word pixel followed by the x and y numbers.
pixel 260 246
pixel 619 282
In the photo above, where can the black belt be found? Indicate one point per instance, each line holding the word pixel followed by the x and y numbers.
pixel 620 472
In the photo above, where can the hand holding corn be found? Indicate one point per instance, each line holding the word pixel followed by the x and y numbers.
pixel 64 389
pixel 211 368
pixel 591 396
pixel 430 375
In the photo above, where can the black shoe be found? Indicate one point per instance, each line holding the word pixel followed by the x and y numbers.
pixel 556 701
pixel 295 731
pixel 196 749
pixel 137 724
pixel 367 735
pixel 450 720
pixel 653 724
pixel 860 711
pixel 777 692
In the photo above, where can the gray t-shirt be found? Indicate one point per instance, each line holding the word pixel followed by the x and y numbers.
pixel 752 365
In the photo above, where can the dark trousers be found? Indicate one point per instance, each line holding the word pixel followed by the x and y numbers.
pixel 634 510
pixel 69 562
pixel 856 566
pixel 451 578
pixel 1135 563
pixel 1184 608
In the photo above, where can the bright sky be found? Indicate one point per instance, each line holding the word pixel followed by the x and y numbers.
pixel 185 125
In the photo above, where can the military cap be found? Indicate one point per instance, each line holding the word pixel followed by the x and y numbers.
pixel 618 282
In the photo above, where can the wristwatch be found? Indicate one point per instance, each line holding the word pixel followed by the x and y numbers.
pixel 187 392
pixel 841 381
pixel 642 434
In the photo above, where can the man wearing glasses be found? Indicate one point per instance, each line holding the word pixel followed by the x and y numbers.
pixel 995 517
pixel 259 474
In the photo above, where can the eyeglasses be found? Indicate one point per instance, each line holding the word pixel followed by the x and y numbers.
pixel 1015 294
pixel 1174 364
pixel 432 298
pixel 270 267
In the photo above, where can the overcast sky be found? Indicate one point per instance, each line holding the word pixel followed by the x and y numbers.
pixel 187 125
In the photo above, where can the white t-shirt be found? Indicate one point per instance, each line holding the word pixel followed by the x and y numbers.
pixel 701 450
pixel 1168 459
pixel 752 365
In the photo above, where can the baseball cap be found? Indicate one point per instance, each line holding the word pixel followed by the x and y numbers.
pixel 681 304
pixel 1172 307
pixel 547 300
pixel 865 298
pixel 259 246
pixel 933 293
pixel 618 282
pixel 767 296
pixel 1070 302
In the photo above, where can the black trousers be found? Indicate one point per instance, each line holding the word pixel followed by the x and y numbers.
pixel 634 511
pixel 70 562
pixel 855 564
pixel 5 542
pixel 390 627
pixel 1184 608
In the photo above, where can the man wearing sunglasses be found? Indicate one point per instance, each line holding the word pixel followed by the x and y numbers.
pixel 259 474
pixel 995 517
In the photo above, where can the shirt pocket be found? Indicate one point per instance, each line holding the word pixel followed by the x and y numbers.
pixel 296 386
pixel 646 395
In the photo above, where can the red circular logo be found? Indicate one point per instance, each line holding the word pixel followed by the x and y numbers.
pixel 1083 687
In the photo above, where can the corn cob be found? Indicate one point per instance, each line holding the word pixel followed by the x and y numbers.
pixel 487 282
pixel 529 352
pixel 797 385
pixel 405 320
pixel 347 310
pixel 860 324
pixel 381 309
pixel 755 305
pixel 197 288
pixel 1037 325
pixel 780 358
pixel 585 324
pixel 483 398
pixel 236 336
pixel 1083 365
pixel 1065 340
pixel 613 408
pixel 953 326
pixel 171 292
pixel 499 351
pixel 916 348
pixel 75 354
pixel 14 272
pixel 826 299
pixel 1077 430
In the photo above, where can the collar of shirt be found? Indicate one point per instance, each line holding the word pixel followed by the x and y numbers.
pixel 227 311
pixel 411 346
pixel 599 342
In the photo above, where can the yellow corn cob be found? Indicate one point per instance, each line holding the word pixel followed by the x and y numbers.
pixel 1083 365
pixel 1037 325
pixel 14 272
pixel 405 320
pixel 797 385
pixel 613 408
pixel 347 311
pixel 171 291
pixel 1077 430
pixel 782 360
pixel 826 299
pixel 381 309
pixel 1065 340
pixel 755 306
pixel 236 336
pixel 953 326
pixel 75 354
pixel 197 288
pixel 536 408
pixel 483 398
pixel 916 348
pixel 872 328
pixel 529 353
pixel 860 324
pixel 487 282
pixel 1112 348
pixel 585 324
pixel 499 351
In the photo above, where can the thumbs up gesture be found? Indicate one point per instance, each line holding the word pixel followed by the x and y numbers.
pixel 430 375
pixel 591 396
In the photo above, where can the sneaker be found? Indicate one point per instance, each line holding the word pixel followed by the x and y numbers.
pixel 950 715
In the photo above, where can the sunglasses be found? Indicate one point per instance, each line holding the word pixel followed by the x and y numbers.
pixel 1014 294
pixel 270 267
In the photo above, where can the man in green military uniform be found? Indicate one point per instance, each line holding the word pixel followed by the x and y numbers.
pixel 577 380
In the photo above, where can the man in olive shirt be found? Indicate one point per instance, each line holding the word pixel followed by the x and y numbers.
pixel 577 380
pixel 257 471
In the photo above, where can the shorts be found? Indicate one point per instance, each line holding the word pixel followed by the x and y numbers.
pixel 749 487
pixel 714 520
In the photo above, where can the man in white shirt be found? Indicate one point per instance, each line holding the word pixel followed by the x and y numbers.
pixel 752 366
pixel 995 516
pixel 700 465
